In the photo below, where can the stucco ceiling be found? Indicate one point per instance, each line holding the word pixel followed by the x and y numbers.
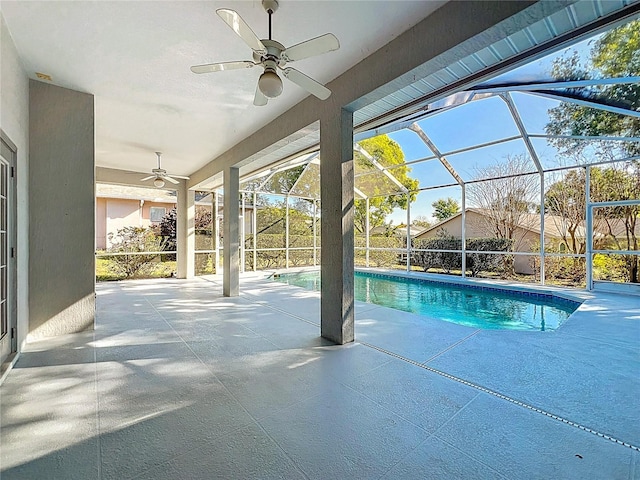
pixel 134 56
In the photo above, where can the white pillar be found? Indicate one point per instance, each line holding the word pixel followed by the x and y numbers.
pixel 242 235
pixel 254 231
pixel 542 274
pixel 315 232
pixel 463 232
pixel 231 273
pixel 336 197
pixel 408 231
pixel 366 228
pixel 588 228
pixel 286 231
pixel 216 232
pixel 185 231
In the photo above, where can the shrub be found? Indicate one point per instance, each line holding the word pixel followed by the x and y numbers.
pixel 378 258
pixel 133 240
pixel 448 261
pixel 488 262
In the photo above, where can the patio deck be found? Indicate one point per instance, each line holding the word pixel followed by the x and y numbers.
pixel 178 381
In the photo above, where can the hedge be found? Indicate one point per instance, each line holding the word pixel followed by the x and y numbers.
pixel 448 261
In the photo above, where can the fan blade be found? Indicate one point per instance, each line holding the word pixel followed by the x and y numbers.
pixel 308 83
pixel 238 25
pixel 147 178
pixel 310 48
pixel 178 176
pixel 172 180
pixel 219 67
pixel 260 99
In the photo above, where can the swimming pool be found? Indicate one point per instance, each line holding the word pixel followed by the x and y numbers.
pixel 477 307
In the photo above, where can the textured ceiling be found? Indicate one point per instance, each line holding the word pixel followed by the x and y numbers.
pixel 134 56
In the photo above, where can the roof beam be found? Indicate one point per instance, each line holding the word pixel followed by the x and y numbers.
pixel 599 104
pixel 551 84
pixel 423 136
pixel 523 131
pixel 381 168
pixel 602 138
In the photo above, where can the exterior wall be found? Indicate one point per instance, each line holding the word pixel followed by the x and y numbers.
pixel 476 227
pixel 101 223
pixel 122 213
pixel 14 122
pixel 113 214
pixel 61 210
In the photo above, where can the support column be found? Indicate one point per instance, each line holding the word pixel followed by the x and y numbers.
pixel 366 237
pixel 542 215
pixel 216 233
pixel 243 235
pixel 60 267
pixel 463 231
pixel 336 197
pixel 254 232
pixel 286 231
pixel 315 233
pixel 230 243
pixel 185 231
pixel 588 228
pixel 408 232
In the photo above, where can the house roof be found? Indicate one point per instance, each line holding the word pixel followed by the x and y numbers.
pixel 135 193
pixel 414 230
pixel 554 225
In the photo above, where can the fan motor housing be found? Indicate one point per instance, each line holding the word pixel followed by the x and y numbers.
pixel 274 49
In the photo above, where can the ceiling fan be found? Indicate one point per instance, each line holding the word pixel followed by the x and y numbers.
pixel 273 56
pixel 160 175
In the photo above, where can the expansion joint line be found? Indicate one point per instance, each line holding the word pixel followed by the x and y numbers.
pixel 504 397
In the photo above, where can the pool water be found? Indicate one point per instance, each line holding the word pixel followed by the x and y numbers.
pixel 474 307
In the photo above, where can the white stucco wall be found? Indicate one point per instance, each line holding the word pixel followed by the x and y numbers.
pixel 14 121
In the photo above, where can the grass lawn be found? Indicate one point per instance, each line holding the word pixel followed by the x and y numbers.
pixel 105 273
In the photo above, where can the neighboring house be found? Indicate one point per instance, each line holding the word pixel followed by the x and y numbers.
pixel 399 231
pixel 527 233
pixel 526 237
pixel 118 207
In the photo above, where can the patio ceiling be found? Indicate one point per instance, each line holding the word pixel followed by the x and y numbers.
pixel 135 58
pixel 407 102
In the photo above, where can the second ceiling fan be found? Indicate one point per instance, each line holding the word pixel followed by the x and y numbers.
pixel 273 56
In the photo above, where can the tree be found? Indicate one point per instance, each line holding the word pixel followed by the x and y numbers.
pixel 136 240
pixel 168 226
pixel 564 204
pixel 421 221
pixel 445 208
pixel 506 201
pixel 282 182
pixel 383 194
pixel 614 226
pixel 615 54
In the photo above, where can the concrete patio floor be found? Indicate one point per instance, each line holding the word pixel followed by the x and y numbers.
pixel 178 382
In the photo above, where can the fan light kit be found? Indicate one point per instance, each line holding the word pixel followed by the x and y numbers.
pixel 273 56
pixel 159 175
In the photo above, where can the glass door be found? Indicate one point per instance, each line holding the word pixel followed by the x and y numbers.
pixel 7 322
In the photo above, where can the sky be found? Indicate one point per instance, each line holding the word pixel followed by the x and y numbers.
pixel 475 123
